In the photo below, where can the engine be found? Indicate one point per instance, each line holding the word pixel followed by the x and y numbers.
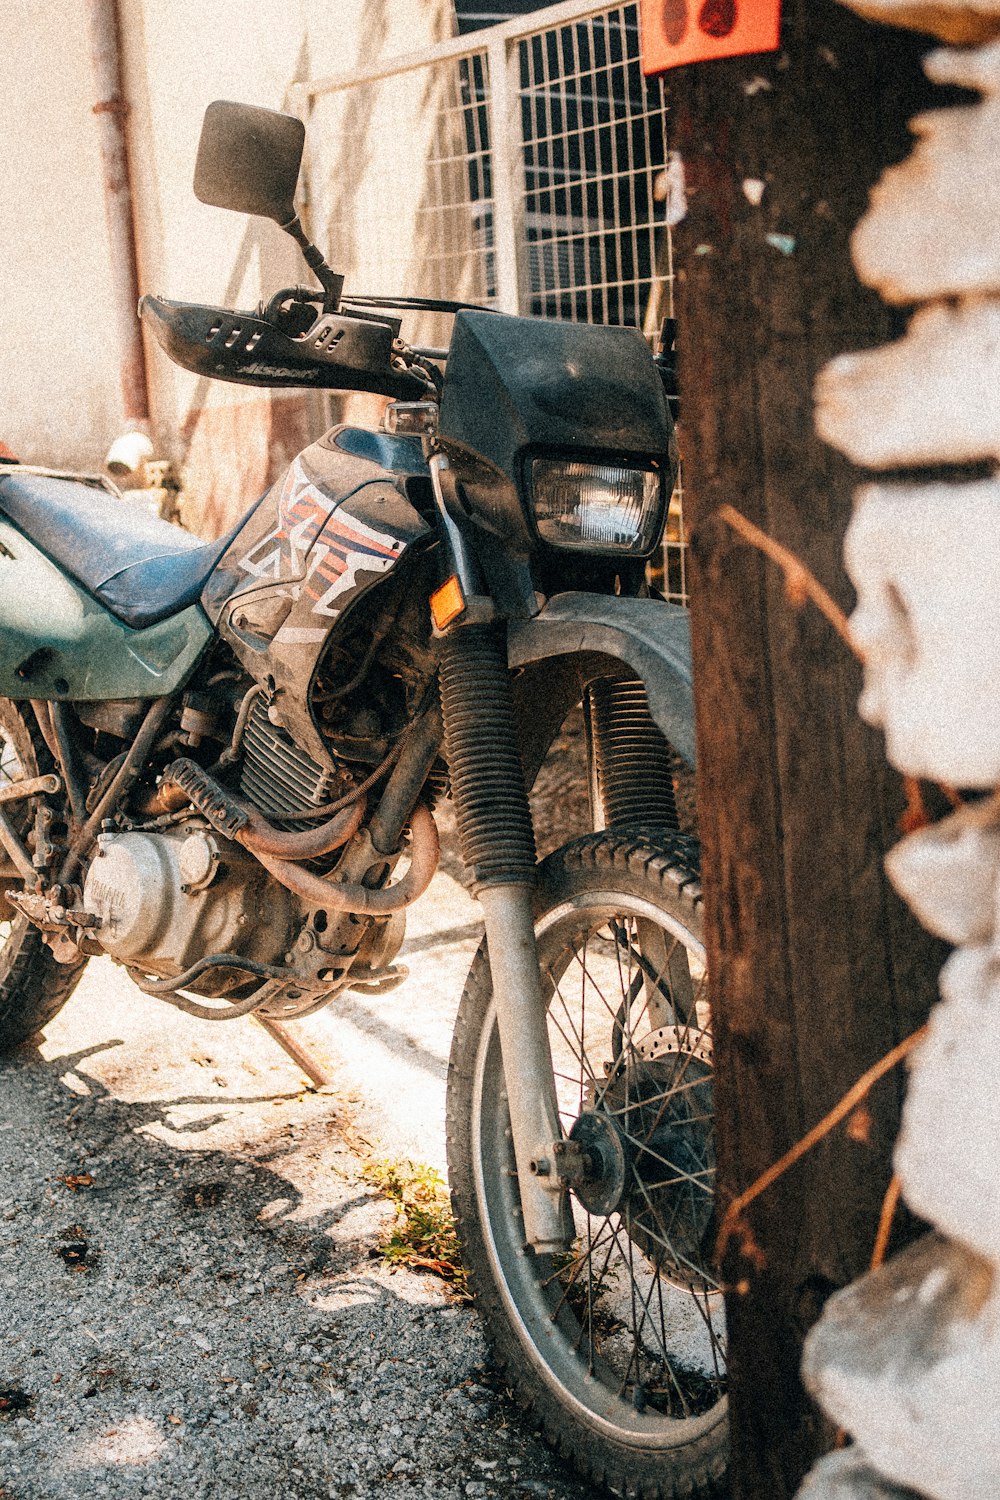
pixel 279 777
pixel 166 899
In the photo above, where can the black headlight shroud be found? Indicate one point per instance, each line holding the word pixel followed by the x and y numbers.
pixel 517 389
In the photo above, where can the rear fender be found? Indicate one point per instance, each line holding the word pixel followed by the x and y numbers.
pixel 576 639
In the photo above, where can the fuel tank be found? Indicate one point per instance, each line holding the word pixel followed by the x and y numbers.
pixel 337 524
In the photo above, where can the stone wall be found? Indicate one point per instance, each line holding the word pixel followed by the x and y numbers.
pixel 907 1361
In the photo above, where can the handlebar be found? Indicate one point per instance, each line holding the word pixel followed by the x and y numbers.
pixel 293 341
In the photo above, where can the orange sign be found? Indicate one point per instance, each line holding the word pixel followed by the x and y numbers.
pixel 687 31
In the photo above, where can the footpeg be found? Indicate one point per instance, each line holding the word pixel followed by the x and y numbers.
pixel 224 814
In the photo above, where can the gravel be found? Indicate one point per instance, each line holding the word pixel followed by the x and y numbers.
pixel 191 1302
pixel 191 1299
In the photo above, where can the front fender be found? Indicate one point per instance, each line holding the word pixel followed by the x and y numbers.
pixel 578 637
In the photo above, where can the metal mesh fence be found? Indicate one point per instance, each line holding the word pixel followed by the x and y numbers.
pixel 527 169
pixel 595 238
pixel 594 148
pixel 458 185
pixel 399 175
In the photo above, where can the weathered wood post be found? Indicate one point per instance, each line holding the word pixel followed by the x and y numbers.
pixel 818 969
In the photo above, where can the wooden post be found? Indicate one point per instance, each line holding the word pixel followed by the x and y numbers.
pixel 818 970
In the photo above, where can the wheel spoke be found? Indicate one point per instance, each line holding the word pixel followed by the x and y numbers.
pixel 590 1305
pixel 576 1263
pixel 637 1328
pixel 697 1179
pixel 572 1281
pixel 633 1357
pixel 11 769
pixel 600 993
pixel 653 981
pixel 674 1093
pixel 677 1256
pixel 575 1046
pixel 715 1343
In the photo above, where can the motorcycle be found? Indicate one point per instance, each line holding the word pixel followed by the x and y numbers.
pixel 215 756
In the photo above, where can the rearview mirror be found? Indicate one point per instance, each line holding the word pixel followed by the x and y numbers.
pixel 249 159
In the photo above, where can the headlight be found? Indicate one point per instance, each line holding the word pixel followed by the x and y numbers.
pixel 600 508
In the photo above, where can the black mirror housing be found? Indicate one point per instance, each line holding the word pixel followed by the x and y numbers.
pixel 249 160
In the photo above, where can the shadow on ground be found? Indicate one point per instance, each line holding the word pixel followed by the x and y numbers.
pixel 192 1304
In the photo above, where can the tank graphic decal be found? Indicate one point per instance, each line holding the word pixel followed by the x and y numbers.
pixel 298 635
pixel 340 554
pixel 301 511
pixel 318 550
pixel 331 528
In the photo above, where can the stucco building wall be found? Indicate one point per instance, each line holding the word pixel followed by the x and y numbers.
pixel 60 398
pixel 59 395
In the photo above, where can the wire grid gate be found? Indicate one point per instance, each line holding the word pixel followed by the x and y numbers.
pixel 523 166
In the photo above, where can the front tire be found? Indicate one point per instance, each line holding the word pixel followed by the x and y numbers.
pixel 617 1348
pixel 33 987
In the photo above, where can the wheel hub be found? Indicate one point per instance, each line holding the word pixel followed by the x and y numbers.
pixel 646 1149
pixel 601 1187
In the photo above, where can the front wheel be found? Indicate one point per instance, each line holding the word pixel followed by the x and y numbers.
pixel 616 1346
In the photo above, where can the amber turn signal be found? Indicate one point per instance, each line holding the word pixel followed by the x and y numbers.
pixel 447 603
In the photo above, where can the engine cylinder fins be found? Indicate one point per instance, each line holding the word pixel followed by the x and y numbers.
pixel 277 777
pixel 438 785
pixel 487 780
pixel 634 774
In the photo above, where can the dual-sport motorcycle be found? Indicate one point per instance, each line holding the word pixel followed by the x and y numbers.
pixel 215 756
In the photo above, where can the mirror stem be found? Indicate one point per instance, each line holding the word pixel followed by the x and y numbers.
pixel 331 283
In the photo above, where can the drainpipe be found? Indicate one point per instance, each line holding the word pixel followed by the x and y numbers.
pixel 111 109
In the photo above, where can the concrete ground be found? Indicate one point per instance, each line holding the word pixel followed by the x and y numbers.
pixel 191 1302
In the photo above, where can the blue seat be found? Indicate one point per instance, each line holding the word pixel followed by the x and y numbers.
pixel 140 568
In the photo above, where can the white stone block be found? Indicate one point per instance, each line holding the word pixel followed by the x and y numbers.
pixel 930 229
pixel 925 561
pixel 930 398
pixel 963 22
pixel 947 874
pixel 908 1361
pixel 946 1154
pixel 847 1475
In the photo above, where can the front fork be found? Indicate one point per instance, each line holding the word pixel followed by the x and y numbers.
pixel 498 846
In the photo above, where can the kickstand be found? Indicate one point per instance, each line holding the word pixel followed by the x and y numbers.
pixel 302 1059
